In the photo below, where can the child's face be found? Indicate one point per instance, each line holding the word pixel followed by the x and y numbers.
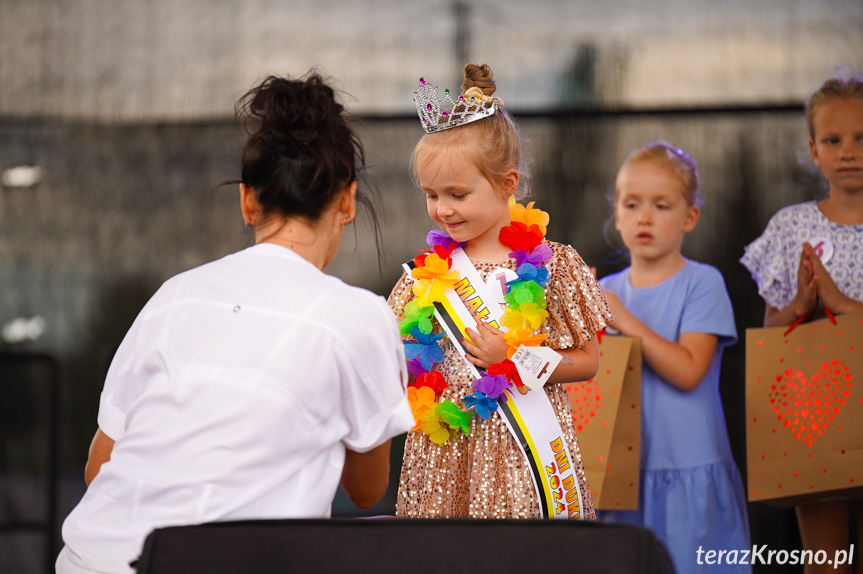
pixel 459 199
pixel 651 212
pixel 837 149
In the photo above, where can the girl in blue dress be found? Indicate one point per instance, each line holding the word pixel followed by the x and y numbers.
pixel 690 492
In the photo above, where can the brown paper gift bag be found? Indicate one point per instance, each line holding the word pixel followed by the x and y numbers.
pixel 606 411
pixel 804 411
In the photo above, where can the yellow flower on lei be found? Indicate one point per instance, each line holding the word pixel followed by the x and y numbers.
pixel 431 425
pixel 518 337
pixel 529 215
pixel 421 400
pixel 528 316
pixel 432 279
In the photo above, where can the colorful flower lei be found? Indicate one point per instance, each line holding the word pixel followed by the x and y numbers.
pixel 525 313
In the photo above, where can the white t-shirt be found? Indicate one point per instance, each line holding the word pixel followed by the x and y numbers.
pixel 234 396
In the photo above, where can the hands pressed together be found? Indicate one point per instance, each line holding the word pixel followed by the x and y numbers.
pixel 814 284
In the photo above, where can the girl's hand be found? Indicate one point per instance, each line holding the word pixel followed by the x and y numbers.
pixel 682 364
pixel 831 297
pixel 622 316
pixel 806 298
pixel 489 347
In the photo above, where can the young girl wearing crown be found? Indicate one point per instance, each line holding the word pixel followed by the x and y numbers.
pixel 462 458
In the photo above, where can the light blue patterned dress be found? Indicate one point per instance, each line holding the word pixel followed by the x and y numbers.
pixel 690 494
pixel 774 257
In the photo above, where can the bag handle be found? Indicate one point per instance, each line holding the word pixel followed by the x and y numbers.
pixel 806 316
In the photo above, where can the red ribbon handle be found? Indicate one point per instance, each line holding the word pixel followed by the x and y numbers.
pixel 804 317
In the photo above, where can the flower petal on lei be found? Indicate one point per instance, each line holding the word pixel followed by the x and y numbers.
pixel 420 400
pixel 440 251
pixel 434 267
pixel 533 315
pixel 433 278
pixel 518 337
pixel 512 319
pixel 427 355
pixel 438 237
pixel 425 338
pixel 519 236
pixel 426 349
pixel 508 369
pixel 541 254
pixel 531 273
pixel 492 386
pixel 482 405
pixel 416 315
pixel 529 215
pixel 527 272
pixel 415 368
pixel 428 291
pixel 525 292
pixel 453 416
pixel 527 316
pixel 433 380
pixel 430 424
pixel 544 251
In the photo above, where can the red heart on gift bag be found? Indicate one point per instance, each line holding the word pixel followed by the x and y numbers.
pixel 585 400
pixel 807 405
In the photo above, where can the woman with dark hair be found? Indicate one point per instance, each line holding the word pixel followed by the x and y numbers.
pixel 254 385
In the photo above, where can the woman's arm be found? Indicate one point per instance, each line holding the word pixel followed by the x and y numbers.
pixel 366 475
pixel 100 452
pixel 682 364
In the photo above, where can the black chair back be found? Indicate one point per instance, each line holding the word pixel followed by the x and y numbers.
pixel 390 545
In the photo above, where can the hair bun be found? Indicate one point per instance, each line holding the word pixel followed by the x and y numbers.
pixel 292 114
pixel 479 77
pixel 301 151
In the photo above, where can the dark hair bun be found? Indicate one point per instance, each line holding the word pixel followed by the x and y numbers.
pixel 301 152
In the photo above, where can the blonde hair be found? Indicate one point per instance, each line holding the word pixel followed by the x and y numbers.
pixel 836 88
pixel 680 162
pixel 495 147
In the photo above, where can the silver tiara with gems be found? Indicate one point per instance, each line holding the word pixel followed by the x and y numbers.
pixel 437 115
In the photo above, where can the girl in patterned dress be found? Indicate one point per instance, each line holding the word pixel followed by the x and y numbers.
pixel 469 173
pixel 810 258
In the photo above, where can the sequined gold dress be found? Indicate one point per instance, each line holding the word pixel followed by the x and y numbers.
pixel 485 475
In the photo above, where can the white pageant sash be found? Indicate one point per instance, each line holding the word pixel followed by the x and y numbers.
pixel 528 414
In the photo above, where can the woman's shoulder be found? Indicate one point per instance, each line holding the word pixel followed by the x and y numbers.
pixel 355 299
pixel 353 313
